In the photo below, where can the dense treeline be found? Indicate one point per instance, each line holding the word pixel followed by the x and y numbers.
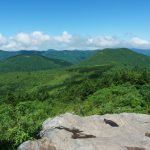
pixel 28 98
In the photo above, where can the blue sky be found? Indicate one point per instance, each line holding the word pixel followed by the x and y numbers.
pixel 80 20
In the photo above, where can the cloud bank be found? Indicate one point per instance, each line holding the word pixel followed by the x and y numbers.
pixel 40 41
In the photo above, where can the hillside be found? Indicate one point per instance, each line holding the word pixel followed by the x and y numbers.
pixel 27 99
pixel 6 54
pixel 74 56
pixel 31 63
pixel 141 51
pixel 120 56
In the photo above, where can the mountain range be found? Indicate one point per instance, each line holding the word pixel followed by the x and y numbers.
pixel 141 51
pixel 73 57
pixel 119 56
pixel 52 59
pixel 32 62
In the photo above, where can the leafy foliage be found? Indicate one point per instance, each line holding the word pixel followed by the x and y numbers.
pixel 28 98
pixel 115 99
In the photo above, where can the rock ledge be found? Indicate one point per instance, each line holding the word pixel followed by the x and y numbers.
pixel 126 131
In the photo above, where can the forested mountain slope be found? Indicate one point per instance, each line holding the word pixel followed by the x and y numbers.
pixel 119 56
pixel 31 63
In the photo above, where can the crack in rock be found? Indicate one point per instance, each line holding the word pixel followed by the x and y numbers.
pixel 77 134
pixel 135 148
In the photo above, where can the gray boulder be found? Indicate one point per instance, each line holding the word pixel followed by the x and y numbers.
pixel 126 131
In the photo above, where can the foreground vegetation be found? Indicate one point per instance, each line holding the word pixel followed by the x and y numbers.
pixel 28 98
pixel 108 82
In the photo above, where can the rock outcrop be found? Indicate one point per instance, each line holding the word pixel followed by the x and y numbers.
pixel 126 131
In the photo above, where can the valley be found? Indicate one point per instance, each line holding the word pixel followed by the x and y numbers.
pixel 34 87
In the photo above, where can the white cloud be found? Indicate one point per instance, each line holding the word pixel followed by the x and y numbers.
pixel 65 37
pixel 2 40
pixel 38 38
pixel 105 41
pixel 139 43
pixel 40 41
pixel 23 38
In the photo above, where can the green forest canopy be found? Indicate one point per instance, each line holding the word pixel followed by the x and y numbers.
pixel 28 98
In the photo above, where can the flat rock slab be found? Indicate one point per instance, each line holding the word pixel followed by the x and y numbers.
pixel 126 131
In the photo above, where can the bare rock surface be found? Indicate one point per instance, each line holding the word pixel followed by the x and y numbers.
pixel 126 131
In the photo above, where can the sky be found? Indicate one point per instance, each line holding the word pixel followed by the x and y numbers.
pixel 74 24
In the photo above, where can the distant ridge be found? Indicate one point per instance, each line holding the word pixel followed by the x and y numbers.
pixel 121 56
pixel 74 56
pixel 118 56
pixel 141 51
pixel 7 54
pixel 31 62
